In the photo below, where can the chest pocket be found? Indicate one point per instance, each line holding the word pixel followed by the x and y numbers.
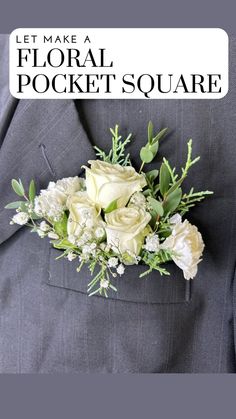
pixel 152 289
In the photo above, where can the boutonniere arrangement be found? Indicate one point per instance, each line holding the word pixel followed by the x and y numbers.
pixel 116 216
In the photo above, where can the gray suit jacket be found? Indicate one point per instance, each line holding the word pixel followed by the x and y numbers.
pixel 47 322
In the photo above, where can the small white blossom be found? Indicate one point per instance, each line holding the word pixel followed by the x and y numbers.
pixel 152 243
pixel 104 283
pixel 99 232
pixel 53 235
pixel 112 262
pixel 20 218
pixel 44 226
pixel 71 256
pixel 86 236
pixel 93 246
pixel 121 269
pixel 86 249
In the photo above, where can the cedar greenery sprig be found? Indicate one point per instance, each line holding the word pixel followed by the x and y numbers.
pixel 117 153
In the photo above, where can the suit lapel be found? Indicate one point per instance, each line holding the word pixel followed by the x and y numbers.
pixel 45 140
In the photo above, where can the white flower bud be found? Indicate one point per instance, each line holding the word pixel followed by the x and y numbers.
pixel 53 235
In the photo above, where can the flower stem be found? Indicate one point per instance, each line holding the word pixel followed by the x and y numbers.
pixel 141 167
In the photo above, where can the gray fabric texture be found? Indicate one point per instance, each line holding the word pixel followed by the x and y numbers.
pixel 47 322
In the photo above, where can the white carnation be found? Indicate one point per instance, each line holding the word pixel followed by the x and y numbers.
pixel 51 202
pixel 68 185
pixel 20 218
pixel 187 246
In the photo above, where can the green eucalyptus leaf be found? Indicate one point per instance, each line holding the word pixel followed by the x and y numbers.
pixel 160 135
pixel 146 155
pixel 175 186
pixel 172 201
pixel 14 205
pixel 147 192
pixel 156 206
pixel 111 207
pixel 17 187
pixel 150 132
pixel 32 190
pixel 152 175
pixel 154 148
pixel 165 179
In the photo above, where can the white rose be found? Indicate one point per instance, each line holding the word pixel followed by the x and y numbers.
pixel 187 244
pixel 126 229
pixel 107 182
pixel 83 213
pixel 52 201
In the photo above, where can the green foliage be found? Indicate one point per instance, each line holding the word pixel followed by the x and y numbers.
pixel 154 262
pixel 149 151
pixel 32 190
pixel 18 187
pixel 111 207
pixel 172 201
pixel 60 226
pixel 191 199
pixel 15 205
pixel 117 153
pixel 156 206
pixel 165 179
